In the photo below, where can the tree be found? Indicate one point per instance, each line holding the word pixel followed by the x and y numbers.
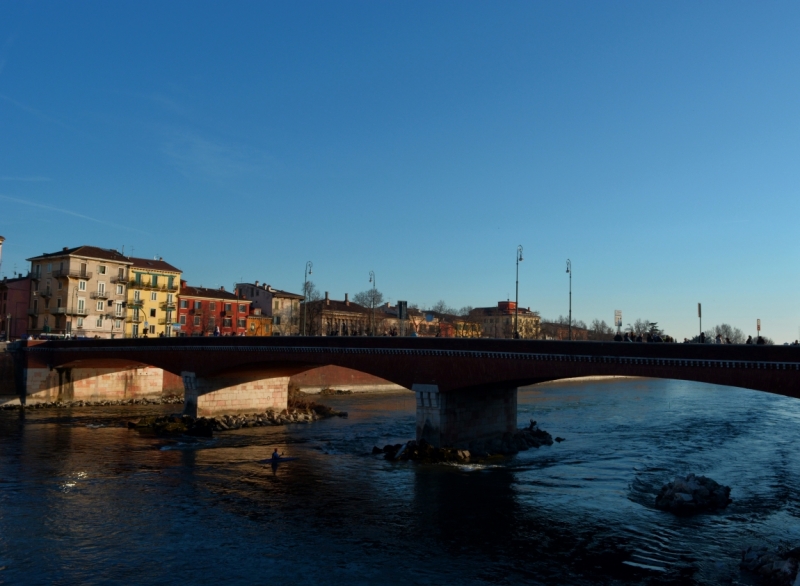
pixel 368 298
pixel 442 307
pixel 640 327
pixel 735 335
pixel 465 311
pixel 600 330
pixel 310 312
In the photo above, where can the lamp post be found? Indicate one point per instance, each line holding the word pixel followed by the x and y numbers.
pixel 309 264
pixel 569 270
pixel 372 280
pixel 516 295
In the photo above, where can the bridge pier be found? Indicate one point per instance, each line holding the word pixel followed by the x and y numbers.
pixel 460 417
pixel 229 395
pixel 42 385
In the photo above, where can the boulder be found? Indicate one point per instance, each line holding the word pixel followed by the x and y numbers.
pixel 693 494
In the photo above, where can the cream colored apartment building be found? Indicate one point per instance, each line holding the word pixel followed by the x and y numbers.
pixel 79 292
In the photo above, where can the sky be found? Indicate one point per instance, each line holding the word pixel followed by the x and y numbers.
pixel 654 144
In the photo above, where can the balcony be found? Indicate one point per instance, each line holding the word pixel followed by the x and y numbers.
pixel 167 306
pixel 136 303
pixel 72 274
pixel 99 295
pixel 79 311
pixel 47 293
pixel 134 319
pixel 59 311
pixel 163 321
pixel 119 279
pixel 33 312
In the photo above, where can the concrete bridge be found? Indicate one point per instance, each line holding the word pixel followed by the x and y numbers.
pixel 466 389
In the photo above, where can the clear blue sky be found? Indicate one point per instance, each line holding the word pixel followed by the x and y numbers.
pixel 656 145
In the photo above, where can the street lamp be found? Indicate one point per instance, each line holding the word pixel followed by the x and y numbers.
pixel 516 297
pixel 309 264
pixel 372 280
pixel 569 270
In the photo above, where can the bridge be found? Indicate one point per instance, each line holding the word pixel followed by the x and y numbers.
pixel 466 389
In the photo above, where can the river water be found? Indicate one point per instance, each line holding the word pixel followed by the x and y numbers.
pixel 83 500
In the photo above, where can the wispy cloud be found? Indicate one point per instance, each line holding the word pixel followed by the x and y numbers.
pixel 69 213
pixel 33 179
pixel 197 156
pixel 38 113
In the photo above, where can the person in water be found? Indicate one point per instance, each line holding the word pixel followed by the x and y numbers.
pixel 275 455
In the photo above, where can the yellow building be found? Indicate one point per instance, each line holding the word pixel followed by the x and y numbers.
pixel 152 306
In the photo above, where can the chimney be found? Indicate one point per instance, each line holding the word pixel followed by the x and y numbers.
pixel 327 299
pixel 65 249
pixel 183 282
pixel 256 283
pixel 222 288
pixel 346 300
pixel 161 258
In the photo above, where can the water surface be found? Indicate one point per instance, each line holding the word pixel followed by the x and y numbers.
pixel 85 500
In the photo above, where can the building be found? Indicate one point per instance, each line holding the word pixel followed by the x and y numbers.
pixel 498 322
pixel 153 287
pixel 559 331
pixel 201 311
pixel 283 307
pixel 258 324
pixel 79 292
pixel 330 317
pixel 15 297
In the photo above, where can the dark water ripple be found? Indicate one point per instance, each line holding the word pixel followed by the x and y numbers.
pixel 83 500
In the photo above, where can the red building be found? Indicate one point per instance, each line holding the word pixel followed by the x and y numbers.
pixel 201 311
pixel 15 295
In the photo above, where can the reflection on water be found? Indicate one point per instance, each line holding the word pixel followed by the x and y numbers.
pixel 85 500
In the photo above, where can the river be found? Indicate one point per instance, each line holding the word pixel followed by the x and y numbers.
pixel 84 500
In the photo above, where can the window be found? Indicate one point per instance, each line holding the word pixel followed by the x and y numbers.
pixel 277 320
pixel 198 305
pixel 135 330
pixel 226 322
pixel 240 323
pixel 212 321
pixel 121 274
pixel 137 295
pixel 120 290
pixel 81 285
pixel 100 306
pixel 80 322
pixel 118 324
pixel 242 309
pixel 276 305
pixel 101 269
pixel 152 313
pixel 170 298
pixel 119 311
pixel 183 320
pixel 101 288
pixel 58 302
pixel 60 286
pixel 212 306
pixel 197 320
pixel 153 296
pixel 81 305
pixel 227 307
pixel 184 304
pixel 154 280
pixel 49 267
pixel 152 329
pixel 35 306
pixel 100 321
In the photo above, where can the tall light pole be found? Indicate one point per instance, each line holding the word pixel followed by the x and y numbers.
pixel 516 295
pixel 309 264
pixel 372 280
pixel 569 270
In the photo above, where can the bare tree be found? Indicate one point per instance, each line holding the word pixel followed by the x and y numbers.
pixel 640 327
pixel 442 307
pixel 600 330
pixel 368 297
pixel 311 292
pixel 465 311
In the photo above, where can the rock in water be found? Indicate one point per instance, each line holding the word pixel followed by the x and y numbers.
pixel 693 494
